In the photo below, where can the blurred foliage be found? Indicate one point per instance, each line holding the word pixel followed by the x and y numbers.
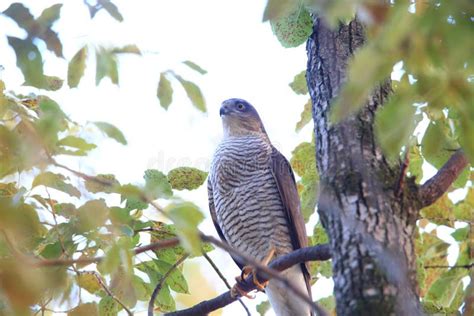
pixel 428 46
pixel 50 211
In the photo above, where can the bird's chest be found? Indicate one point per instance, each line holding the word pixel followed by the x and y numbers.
pixel 246 197
pixel 239 162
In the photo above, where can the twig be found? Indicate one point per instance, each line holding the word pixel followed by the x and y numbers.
pixel 402 176
pixel 80 174
pixel 464 266
pixel 107 290
pixel 320 252
pixel 104 182
pixel 162 244
pixel 219 273
pixel 435 187
pixel 158 287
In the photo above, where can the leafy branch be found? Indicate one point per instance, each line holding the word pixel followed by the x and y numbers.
pixel 221 276
pixel 159 285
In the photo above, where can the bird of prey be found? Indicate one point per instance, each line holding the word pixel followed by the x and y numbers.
pixel 254 202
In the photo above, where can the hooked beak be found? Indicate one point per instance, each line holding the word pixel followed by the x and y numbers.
pixel 224 109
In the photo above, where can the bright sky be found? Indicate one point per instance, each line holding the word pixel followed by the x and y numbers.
pixel 227 38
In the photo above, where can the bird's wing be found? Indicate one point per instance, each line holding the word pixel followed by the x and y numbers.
pixel 285 180
pixel 212 209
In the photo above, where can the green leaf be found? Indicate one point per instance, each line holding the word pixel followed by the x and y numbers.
pixel 22 223
pixel 308 195
pixel 111 131
pixel 440 212
pixel 91 215
pixel 127 49
pixel 52 120
pixel 105 183
pixel 52 251
pixel 142 289
pixel 394 124
pixel 133 195
pixel 52 83
pixel 41 27
pixel 56 181
pixel 86 309
pixel 467 139
pixel 328 303
pixel 175 280
pixel 164 301
pixel 319 235
pixel 303 160
pixel 76 142
pixel 108 306
pixel 306 116
pixel 263 307
pixel 88 282
pixel 122 287
pixel 106 66
pixel 415 162
pixel 461 234
pixel 194 93
pixel 464 210
pixel 134 203
pixel 157 185
pixel 111 260
pixel 298 85
pixel 21 15
pixel 276 9
pixel 195 67
pixel 29 60
pixel 76 68
pixel 443 290
pixel 462 178
pixel 45 21
pixel 186 217
pixel 165 91
pixel 294 29
pixel 437 146
pixel 111 9
pixel 50 15
pixel 188 178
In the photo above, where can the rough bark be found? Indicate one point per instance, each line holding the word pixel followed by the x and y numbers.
pixel 370 226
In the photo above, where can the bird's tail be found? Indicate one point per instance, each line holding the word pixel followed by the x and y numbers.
pixel 282 300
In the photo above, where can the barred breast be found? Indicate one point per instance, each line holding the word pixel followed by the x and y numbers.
pixel 248 206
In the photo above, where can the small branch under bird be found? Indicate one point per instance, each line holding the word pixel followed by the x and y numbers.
pixel 254 202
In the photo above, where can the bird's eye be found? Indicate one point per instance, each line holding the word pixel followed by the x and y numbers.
pixel 240 106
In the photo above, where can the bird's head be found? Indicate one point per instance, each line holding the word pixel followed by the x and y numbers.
pixel 239 118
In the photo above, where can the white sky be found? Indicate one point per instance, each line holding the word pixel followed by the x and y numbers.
pixel 226 37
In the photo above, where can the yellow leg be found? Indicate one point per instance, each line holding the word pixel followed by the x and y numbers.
pixel 246 271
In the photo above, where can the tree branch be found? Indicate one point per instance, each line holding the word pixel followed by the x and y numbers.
pixel 219 273
pixel 319 252
pixel 435 187
pixel 158 287
pixel 108 291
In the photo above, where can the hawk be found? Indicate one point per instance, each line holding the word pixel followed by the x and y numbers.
pixel 254 202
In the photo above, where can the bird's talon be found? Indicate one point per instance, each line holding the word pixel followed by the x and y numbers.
pixel 237 291
pixel 246 272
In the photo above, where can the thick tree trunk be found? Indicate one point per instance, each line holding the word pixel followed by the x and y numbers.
pixel 370 224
